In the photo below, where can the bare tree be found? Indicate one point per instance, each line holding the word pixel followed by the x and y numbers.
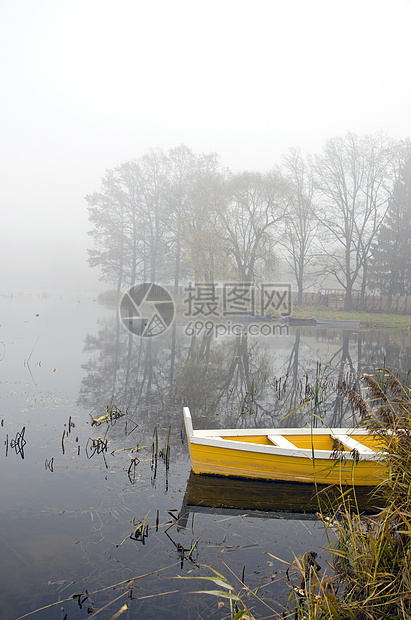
pixel 300 222
pixel 182 163
pixel 130 218
pixel 115 213
pixel 154 188
pixel 353 176
pixel 197 187
pixel 256 203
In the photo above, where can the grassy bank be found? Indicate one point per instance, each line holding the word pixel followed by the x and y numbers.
pixel 368 320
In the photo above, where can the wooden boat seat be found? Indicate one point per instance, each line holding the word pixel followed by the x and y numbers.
pixel 281 442
pixel 353 444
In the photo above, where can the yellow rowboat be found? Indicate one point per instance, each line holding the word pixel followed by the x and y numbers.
pixel 321 455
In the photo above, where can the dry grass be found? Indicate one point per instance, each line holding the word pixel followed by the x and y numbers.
pixel 370 577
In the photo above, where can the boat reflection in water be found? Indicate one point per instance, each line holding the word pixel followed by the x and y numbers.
pixel 261 498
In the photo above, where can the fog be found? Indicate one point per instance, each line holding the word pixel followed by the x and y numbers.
pixel 89 85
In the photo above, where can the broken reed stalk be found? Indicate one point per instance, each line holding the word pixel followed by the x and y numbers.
pixel 141 531
pixel 165 452
pixel 168 442
pixel 193 546
pixel 155 442
pixel 125 582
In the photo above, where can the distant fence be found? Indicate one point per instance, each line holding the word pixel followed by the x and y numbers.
pixel 372 303
pixel 334 299
pixel 311 299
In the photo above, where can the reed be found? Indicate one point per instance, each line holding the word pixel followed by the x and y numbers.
pixel 62 440
pixel 371 555
pixel 164 453
pixel 239 607
pixel 154 447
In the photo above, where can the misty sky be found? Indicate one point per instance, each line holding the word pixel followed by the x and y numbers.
pixel 89 84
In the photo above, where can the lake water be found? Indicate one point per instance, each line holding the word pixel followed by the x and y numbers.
pixel 85 508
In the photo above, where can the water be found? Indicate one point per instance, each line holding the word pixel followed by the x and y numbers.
pixel 68 507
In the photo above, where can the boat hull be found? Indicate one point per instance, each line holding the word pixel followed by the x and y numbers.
pixel 338 323
pixel 297 322
pixel 253 464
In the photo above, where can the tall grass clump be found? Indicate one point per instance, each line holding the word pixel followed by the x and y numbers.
pixel 371 554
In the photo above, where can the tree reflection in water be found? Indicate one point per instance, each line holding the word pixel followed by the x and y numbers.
pixel 238 381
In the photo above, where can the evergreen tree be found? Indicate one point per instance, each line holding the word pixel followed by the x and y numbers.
pixel 390 268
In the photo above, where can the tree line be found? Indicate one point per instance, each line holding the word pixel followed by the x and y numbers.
pixel 343 215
